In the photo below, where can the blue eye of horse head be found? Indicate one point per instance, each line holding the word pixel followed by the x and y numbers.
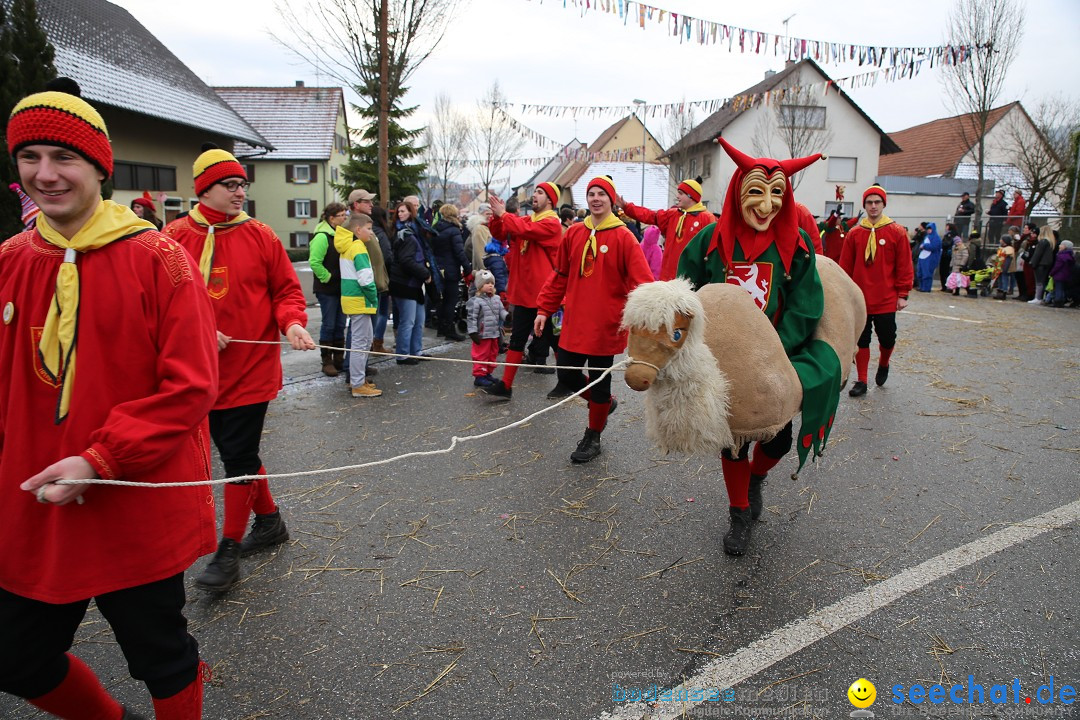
pixel 676 336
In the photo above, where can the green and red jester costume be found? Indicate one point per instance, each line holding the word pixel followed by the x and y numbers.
pixel 780 274
pixel 776 265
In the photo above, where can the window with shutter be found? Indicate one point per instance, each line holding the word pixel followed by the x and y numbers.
pixel 288 173
pixel 301 173
pixel 292 239
pixel 250 170
pixel 250 208
pixel 291 212
pixel 314 173
pixel 314 209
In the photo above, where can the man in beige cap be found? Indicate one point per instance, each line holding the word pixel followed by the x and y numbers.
pixel 360 201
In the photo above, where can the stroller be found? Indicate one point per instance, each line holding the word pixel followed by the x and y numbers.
pixel 980 281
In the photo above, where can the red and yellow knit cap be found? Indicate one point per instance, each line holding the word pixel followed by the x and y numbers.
pixel 552 191
pixel 692 188
pixel 605 183
pixel 213 166
pixel 875 190
pixel 63 120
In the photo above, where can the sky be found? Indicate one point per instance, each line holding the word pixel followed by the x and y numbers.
pixel 541 53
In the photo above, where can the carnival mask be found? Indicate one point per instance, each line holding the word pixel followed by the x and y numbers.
pixel 761 197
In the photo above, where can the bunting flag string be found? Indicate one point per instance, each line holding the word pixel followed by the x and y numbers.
pixel 746 40
pixel 581 154
pixel 737 102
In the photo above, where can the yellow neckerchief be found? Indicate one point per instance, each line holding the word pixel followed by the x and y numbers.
pixel 537 217
pixel 696 208
pixel 871 243
pixel 611 221
pixel 206 260
pixel 108 223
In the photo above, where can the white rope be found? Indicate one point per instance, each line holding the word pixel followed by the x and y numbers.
pixel 428 357
pixel 346 468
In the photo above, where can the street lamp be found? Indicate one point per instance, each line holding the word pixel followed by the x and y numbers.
pixel 641 104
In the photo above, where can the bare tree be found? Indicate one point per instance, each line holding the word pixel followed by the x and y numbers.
pixel 991 32
pixel 675 127
pixel 445 140
pixel 1038 145
pixel 493 142
pixel 794 125
pixel 371 46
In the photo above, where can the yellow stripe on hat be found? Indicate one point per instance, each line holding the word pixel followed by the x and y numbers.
pixel 70 104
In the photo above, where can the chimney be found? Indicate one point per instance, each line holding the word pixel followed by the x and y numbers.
pixel 299 83
pixel 769 74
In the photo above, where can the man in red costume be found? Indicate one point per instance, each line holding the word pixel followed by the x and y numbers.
pixel 533 243
pixel 877 256
pixel 678 224
pixel 255 296
pixel 107 370
pixel 598 264
pixel 758 245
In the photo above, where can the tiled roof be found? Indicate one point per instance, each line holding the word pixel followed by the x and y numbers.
pixel 934 148
pixel 299 121
pixel 118 62
pixel 713 126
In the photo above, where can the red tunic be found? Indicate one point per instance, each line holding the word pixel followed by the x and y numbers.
pixel 594 304
pixel 890 276
pixel 256 296
pixel 532 251
pixel 668 221
pixel 146 376
pixel 809 226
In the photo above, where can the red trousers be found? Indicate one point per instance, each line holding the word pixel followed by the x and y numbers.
pixel 484 354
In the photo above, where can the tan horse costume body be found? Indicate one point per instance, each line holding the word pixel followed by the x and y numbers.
pixel 716 372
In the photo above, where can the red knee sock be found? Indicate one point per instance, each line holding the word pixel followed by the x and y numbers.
pixel 184 705
pixel 737 479
pixel 512 356
pixel 862 362
pixel 264 502
pixel 238 502
pixel 760 463
pixel 886 354
pixel 598 413
pixel 80 696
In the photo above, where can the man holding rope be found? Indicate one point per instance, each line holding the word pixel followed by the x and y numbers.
pixel 533 243
pixel 255 295
pixel 107 370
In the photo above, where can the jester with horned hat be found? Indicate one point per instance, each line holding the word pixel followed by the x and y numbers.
pixel 757 244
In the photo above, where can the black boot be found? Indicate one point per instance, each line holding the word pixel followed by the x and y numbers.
pixel 223 570
pixel 266 531
pixel 534 360
pixel 328 367
pixel 588 448
pixel 499 389
pixel 881 375
pixel 738 536
pixel 756 503
pixel 338 355
pixel 859 388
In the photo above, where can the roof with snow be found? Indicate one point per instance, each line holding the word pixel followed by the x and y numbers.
pixel 118 62
pixel 627 177
pixel 1006 178
pixel 300 122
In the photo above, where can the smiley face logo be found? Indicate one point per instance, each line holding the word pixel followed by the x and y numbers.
pixel 862 693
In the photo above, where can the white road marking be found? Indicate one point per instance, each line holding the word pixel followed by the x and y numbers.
pixel 943 317
pixel 798 635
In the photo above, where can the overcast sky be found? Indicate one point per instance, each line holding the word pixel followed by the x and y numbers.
pixel 541 53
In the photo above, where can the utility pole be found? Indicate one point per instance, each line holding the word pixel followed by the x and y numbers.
pixel 384 106
pixel 787 38
pixel 644 135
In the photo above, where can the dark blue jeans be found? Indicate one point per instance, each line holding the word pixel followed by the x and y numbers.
pixel 333 318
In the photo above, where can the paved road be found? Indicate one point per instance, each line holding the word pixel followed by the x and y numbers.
pixel 500 581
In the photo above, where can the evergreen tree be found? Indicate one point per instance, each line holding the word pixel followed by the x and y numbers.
pixel 362 168
pixel 26 64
